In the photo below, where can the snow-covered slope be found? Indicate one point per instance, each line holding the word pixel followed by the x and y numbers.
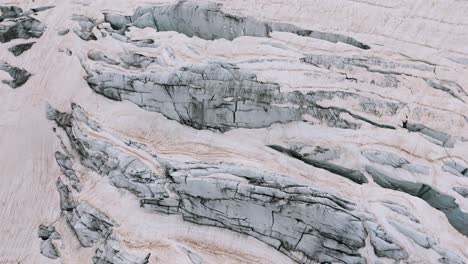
pixel 145 131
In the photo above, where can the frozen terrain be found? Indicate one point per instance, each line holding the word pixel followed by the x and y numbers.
pixel 197 132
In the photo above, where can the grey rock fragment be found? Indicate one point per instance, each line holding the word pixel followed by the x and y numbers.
pixel 66 200
pixel 353 175
pixel 24 28
pixel 383 244
pixel 440 201
pixel 63 32
pixel 67 51
pixel 62 119
pixel 46 232
pixel 208 21
pixel 10 12
pixel 194 257
pixel 463 191
pixel 21 48
pixel 20 76
pixel 111 252
pixel 87 25
pixel 48 248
